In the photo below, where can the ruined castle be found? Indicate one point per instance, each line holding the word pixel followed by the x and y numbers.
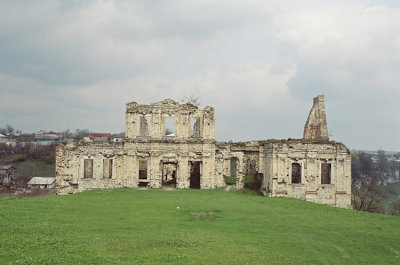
pixel 172 144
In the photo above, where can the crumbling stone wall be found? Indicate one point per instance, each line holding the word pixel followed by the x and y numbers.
pixel 316 127
pixel 151 157
pixel 145 143
pixel 280 158
pixel 204 127
pixel 70 177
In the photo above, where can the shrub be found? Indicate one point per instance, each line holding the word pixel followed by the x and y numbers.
pixel 230 180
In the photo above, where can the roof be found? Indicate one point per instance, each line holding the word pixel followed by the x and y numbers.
pixel 100 134
pixel 1 135
pixel 5 167
pixel 41 181
pixel 51 132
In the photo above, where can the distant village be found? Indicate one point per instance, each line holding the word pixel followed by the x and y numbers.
pixel 54 138
pixel 12 142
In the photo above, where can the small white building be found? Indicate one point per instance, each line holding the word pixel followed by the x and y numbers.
pixel 42 183
pixel 86 139
pixel 7 141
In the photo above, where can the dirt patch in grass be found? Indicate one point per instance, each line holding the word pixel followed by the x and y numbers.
pixel 205 215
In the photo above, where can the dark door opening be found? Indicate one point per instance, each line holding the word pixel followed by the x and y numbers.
pixel 195 173
pixel 143 176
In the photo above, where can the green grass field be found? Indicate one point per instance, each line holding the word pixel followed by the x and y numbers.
pixel 128 226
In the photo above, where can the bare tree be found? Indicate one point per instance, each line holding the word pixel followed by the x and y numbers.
pixel 82 132
pixel 191 100
pixel 9 129
pixel 366 198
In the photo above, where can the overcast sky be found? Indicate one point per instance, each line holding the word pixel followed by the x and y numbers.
pixel 258 63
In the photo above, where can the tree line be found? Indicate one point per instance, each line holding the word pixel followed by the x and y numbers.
pixel 370 175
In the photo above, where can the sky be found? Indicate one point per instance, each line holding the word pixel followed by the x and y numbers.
pixel 75 64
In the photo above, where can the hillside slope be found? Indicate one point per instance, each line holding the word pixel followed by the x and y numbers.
pixel 190 227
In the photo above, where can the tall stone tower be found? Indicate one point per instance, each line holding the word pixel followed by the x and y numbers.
pixel 316 127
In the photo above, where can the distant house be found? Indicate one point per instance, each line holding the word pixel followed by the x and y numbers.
pixel 87 139
pixel 117 140
pixel 25 139
pixel 46 138
pixel 7 175
pixel 3 139
pixel 99 136
pixel 42 183
pixel 7 141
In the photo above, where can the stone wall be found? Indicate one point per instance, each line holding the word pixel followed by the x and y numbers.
pixel 189 121
pixel 148 157
pixel 281 157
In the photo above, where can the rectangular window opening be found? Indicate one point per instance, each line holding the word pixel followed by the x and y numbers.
pixel 326 173
pixel 234 162
pixel 107 168
pixel 142 169
pixel 170 126
pixel 296 173
pixel 144 125
pixel 195 127
pixel 231 180
pixel 88 168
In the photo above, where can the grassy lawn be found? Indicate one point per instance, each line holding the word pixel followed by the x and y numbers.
pixel 128 226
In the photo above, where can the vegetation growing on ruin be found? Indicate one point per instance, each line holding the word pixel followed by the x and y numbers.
pixel 239 144
pixel 128 226
pixel 230 180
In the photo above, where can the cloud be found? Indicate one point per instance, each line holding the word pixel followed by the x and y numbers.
pixel 345 44
pixel 258 63
pixel 351 54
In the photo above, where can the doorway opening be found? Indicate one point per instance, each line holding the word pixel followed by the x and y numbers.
pixel 195 174
pixel 231 179
pixel 169 174
pixel 143 173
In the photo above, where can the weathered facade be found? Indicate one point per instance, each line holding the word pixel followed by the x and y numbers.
pixel 154 154
pixel 171 144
